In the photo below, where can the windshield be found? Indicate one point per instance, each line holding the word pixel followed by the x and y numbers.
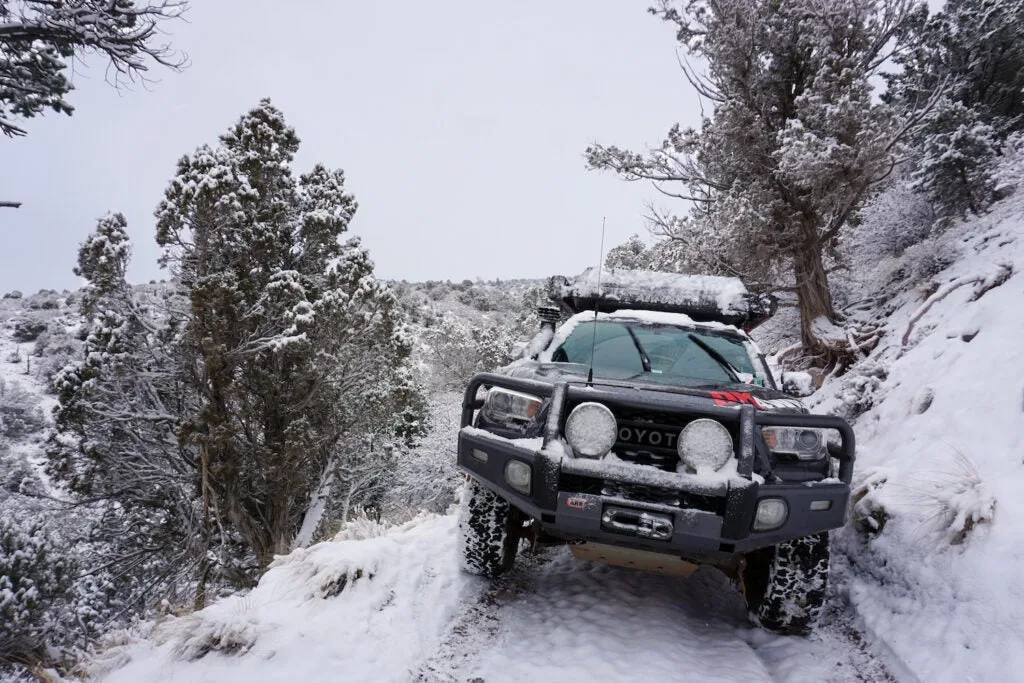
pixel 660 353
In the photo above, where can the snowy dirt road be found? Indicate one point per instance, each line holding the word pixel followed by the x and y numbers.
pixel 396 607
pixel 555 618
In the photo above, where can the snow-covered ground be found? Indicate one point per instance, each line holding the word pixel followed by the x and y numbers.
pixel 397 608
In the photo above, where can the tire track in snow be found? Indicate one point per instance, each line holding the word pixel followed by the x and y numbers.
pixel 556 618
pixel 479 622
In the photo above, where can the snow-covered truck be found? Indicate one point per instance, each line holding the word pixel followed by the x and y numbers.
pixel 648 431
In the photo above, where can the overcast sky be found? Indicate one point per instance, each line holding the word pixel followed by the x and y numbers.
pixel 460 126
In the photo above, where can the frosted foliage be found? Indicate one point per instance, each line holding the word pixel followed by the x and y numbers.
pixel 591 429
pixel 39 40
pixel 706 446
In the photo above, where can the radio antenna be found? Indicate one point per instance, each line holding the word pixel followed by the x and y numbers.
pixel 597 304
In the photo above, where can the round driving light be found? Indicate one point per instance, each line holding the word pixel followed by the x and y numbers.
pixel 771 514
pixel 518 474
pixel 705 445
pixel 591 430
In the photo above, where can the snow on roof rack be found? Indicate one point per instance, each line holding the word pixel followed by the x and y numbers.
pixel 702 297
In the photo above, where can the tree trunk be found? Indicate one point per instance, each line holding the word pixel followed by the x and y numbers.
pixel 813 295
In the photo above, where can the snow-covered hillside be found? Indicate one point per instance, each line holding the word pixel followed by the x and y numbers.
pixel 936 551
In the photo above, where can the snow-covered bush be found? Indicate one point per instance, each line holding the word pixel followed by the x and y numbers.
pixel 927 259
pixel 458 350
pixel 861 389
pixel 953 501
pixel 33 574
pixel 28 330
pixel 426 478
pixel 20 413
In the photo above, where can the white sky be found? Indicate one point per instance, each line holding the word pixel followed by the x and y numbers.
pixel 460 125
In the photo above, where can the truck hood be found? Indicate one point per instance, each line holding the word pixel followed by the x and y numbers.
pixel 728 393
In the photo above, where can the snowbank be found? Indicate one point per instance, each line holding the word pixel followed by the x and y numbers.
pixel 359 610
pixel 937 548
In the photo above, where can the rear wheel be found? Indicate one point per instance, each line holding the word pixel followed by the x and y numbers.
pixel 785 586
pixel 489 531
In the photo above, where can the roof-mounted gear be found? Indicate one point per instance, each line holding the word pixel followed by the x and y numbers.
pixel 704 298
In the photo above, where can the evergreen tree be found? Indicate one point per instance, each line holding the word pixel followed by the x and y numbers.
pixel 120 410
pixel 794 146
pixel 972 52
pixel 291 344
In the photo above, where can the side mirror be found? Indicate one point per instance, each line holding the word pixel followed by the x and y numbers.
pixel 798 384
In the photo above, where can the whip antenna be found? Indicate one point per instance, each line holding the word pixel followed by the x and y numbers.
pixel 597 304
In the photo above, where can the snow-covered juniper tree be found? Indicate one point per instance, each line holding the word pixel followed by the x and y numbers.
pixel 792 148
pixel 973 51
pixel 39 38
pixel 292 346
pixel 33 574
pixel 120 411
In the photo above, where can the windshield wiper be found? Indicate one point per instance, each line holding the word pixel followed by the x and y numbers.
pixel 734 375
pixel 645 361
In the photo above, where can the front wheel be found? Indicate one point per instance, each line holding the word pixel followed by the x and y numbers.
pixel 785 586
pixel 489 531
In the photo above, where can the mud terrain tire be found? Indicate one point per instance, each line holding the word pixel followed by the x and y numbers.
pixel 489 531
pixel 785 586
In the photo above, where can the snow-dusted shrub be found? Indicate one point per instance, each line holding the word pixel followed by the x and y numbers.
pixel 360 525
pixel 426 478
pixel 896 219
pixel 28 330
pixel 20 413
pixel 230 627
pixel 33 574
pixel 458 350
pixel 928 259
pixel 13 294
pixel 861 389
pixel 954 502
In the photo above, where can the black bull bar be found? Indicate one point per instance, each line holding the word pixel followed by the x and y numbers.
pixel 682 401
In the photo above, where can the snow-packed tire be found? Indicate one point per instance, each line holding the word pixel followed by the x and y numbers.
pixel 489 531
pixel 785 586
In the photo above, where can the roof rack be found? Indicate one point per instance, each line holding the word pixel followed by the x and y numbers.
pixel 704 298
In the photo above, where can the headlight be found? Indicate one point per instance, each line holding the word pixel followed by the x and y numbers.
pixel 511 408
pixel 705 445
pixel 591 430
pixel 796 442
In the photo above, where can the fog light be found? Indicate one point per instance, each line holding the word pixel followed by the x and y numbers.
pixel 771 514
pixel 821 505
pixel 480 455
pixel 518 474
